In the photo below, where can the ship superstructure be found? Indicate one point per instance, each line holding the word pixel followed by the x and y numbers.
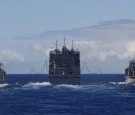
pixel 2 73
pixel 130 72
pixel 65 62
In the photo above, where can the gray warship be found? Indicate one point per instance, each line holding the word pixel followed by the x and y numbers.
pixel 64 62
pixel 130 72
pixel 2 73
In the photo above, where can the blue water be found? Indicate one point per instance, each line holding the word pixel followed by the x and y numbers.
pixel 90 95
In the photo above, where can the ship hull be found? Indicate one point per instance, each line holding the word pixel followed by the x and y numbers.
pixel 2 73
pixel 70 80
pixel 64 63
pixel 2 78
pixel 130 80
pixel 64 76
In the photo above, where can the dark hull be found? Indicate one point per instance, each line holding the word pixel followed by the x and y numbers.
pixel 2 73
pixel 64 63
pixel 64 76
pixel 1 79
pixel 69 80
pixel 130 72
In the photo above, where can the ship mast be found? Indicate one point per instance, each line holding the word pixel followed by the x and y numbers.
pixel 64 41
pixel 56 44
pixel 134 57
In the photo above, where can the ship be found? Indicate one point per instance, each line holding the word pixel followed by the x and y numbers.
pixel 2 73
pixel 130 72
pixel 64 62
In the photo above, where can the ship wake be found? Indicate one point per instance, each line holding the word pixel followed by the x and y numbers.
pixel 48 85
pixel 118 83
pixel 4 85
pixel 37 85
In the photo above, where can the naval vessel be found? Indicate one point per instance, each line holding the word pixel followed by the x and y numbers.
pixel 2 73
pixel 64 62
pixel 130 72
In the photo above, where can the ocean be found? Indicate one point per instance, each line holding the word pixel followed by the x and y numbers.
pixel 97 94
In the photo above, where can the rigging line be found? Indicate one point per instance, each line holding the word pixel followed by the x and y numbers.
pixel 32 70
pixel 98 70
pixel 46 66
pixel 87 67
pixel 82 67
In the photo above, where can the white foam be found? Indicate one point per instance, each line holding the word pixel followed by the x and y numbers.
pixel 37 85
pixel 81 87
pixel 3 85
pixel 118 83
pixel 69 86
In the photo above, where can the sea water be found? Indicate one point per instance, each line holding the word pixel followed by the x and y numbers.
pixel 97 94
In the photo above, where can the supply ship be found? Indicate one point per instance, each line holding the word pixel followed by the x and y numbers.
pixel 130 72
pixel 2 73
pixel 64 62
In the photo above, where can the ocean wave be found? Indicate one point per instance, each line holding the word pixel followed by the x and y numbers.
pixel 118 83
pixel 37 85
pixel 69 86
pixel 82 88
pixel 4 85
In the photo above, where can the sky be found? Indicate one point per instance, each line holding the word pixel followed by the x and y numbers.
pixel 103 31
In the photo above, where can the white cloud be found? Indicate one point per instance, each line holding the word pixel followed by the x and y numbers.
pixel 12 55
pixel 40 49
pixel 86 43
pixel 100 50
pixel 37 47
pixel 102 44
pixel 131 47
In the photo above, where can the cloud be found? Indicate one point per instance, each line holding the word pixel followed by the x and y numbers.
pixel 102 51
pixel 37 47
pixel 12 55
pixel 40 49
pixel 109 43
pixel 131 46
